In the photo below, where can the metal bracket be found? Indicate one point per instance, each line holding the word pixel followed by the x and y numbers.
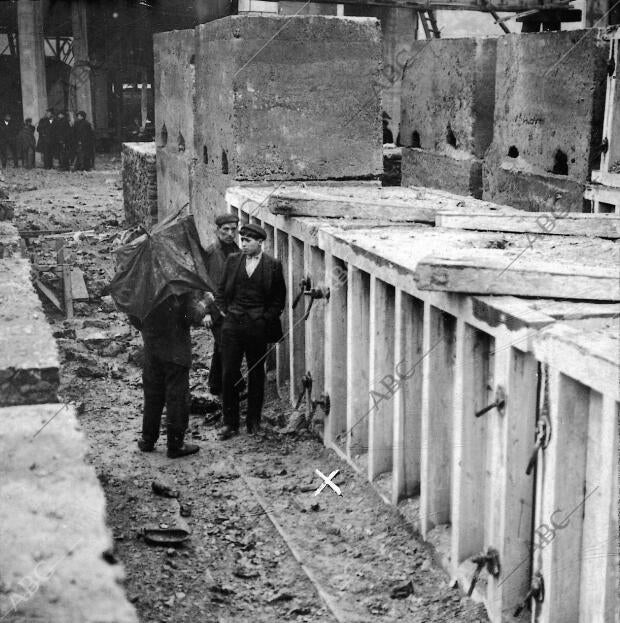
pixel 323 401
pixel 543 436
pixel 536 592
pixel 490 560
pixel 499 404
pixel 306 289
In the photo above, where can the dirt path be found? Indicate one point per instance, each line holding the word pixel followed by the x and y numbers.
pixel 237 566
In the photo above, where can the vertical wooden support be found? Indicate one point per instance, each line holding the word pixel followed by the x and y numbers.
pixel 600 518
pixel 407 403
pixel 437 381
pixel 280 246
pixel 510 493
pixel 314 263
pixel 358 338
pixel 471 381
pixel 381 375
pixel 297 342
pixel 336 347
pixel 244 218
pixel 64 272
pixel 558 554
pixel 268 246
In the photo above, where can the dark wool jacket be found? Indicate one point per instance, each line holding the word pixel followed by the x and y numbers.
pixel 273 286
pixel 214 257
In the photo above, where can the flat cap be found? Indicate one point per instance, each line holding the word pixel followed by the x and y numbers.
pixel 253 231
pixel 222 219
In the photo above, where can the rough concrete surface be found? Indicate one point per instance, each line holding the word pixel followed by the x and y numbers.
pixel 174 175
pixel 28 355
pixel 550 90
pixel 140 183
pixel 294 102
pixel 462 176
pixel 448 94
pixel 52 512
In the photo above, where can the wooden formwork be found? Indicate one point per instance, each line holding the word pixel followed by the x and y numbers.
pixel 408 371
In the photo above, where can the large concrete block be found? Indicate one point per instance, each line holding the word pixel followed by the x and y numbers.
pixel 28 354
pixel 448 95
pixel 287 98
pixel 52 511
pixel 461 175
pixel 549 104
pixel 140 183
pixel 174 171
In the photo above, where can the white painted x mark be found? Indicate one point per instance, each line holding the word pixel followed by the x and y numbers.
pixel 328 481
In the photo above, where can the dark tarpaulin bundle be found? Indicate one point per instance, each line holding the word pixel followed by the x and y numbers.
pixel 168 261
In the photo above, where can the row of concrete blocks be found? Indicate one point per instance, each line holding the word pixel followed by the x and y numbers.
pixel 516 119
pixel 52 564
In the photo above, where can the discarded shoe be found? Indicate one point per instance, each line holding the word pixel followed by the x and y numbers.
pixel 145 446
pixel 227 433
pixel 184 450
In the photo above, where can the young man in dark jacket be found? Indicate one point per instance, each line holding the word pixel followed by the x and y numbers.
pixel 63 139
pixel 214 258
pixel 250 298
pixel 45 144
pixel 84 136
pixel 167 361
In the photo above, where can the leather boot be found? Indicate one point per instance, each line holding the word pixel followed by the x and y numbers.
pixel 183 450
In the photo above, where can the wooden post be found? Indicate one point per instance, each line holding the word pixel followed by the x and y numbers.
pixel 471 381
pixel 510 493
pixel 437 380
pixel 280 247
pixel 268 246
pixel 314 267
pixel 297 342
pixel 358 338
pixel 407 403
pixel 64 272
pixel 336 347
pixel 382 383
pixel 558 551
pixel 600 518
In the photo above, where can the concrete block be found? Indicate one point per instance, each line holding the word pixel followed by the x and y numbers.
pixel 174 77
pixel 448 95
pixel 287 98
pixel 52 511
pixel 460 174
pixel 139 183
pixel 9 240
pixel 173 180
pixel 28 355
pixel 549 105
pixel 533 192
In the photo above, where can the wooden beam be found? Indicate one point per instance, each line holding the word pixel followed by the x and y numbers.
pixel 271 359
pixel 283 370
pixel 597 225
pixel 297 335
pixel 480 272
pixel 508 6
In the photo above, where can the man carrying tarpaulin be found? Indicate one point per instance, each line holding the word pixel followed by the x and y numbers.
pixel 161 284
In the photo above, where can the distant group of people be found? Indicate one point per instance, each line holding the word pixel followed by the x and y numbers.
pixel 72 144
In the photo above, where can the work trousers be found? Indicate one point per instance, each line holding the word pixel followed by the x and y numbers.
pixel 48 156
pixel 239 338
pixel 5 148
pixel 165 383
pixel 215 371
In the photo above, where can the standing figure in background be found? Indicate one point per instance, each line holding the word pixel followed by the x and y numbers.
pixel 84 143
pixel 215 257
pixel 388 137
pixel 26 144
pixel 62 140
pixel 251 298
pixel 46 130
pixel 8 135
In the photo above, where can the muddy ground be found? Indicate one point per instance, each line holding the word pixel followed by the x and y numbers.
pixel 237 566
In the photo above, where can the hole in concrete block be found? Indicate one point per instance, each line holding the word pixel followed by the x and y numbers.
pixel 205 154
pixel 415 139
pixel 606 208
pixel 181 142
pixel 513 152
pixel 560 163
pixel 224 162
pixel 163 135
pixel 450 138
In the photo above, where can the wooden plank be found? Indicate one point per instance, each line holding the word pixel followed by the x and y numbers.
pixel 49 294
pixel 382 385
pixel 64 272
pixel 280 246
pixel 512 312
pixel 470 393
pixel 409 316
pixel 268 246
pixel 563 465
pixel 437 404
pixel 565 310
pixel 336 347
pixel 79 292
pixel 597 225
pixel 510 493
pixel 480 273
pixel 600 518
pixel 358 339
pixel 297 335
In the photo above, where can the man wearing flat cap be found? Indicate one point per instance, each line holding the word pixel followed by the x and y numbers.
pixel 214 258
pixel 250 298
